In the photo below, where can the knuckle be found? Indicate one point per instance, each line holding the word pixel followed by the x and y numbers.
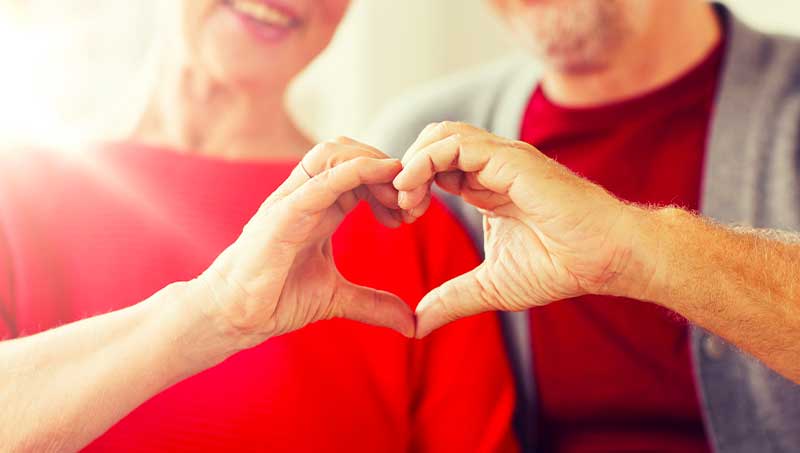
pixel 334 156
pixel 360 160
pixel 446 306
pixel 445 126
pixel 325 177
pixel 521 146
pixel 332 161
pixel 455 126
pixel 319 157
pixel 317 150
pixel 329 147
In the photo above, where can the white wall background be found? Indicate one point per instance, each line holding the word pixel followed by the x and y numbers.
pixel 89 57
pixel 387 46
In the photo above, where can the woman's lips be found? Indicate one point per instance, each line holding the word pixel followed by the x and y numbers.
pixel 265 19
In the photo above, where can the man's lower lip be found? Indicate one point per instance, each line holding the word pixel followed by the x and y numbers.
pixel 260 30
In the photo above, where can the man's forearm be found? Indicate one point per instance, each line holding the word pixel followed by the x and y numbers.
pixel 741 285
pixel 62 388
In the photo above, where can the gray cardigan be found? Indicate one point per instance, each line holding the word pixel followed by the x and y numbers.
pixel 752 177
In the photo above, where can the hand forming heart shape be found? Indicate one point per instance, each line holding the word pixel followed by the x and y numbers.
pixel 279 275
pixel 548 234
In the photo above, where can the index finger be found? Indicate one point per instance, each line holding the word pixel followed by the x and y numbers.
pixel 455 152
pixel 435 132
pixel 412 200
pixel 324 189
pixel 323 156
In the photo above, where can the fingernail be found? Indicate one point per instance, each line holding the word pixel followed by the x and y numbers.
pixel 402 198
pixel 398 180
pixel 410 333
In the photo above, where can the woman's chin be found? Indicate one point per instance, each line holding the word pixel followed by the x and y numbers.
pixel 238 53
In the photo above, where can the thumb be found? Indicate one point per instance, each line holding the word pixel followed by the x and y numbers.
pixel 455 299
pixel 373 307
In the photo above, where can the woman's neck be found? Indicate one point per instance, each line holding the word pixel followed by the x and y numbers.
pixel 194 113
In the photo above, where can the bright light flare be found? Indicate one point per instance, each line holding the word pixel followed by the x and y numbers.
pixel 71 69
pixel 23 82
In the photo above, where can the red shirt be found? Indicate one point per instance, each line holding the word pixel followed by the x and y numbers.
pixel 615 374
pixel 84 234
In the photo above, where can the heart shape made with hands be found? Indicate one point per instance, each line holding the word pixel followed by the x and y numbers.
pixel 402 198
pixel 537 248
pixel 549 234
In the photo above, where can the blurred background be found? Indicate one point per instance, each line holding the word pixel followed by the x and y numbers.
pixel 77 71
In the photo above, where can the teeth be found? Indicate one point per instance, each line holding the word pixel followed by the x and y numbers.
pixel 261 12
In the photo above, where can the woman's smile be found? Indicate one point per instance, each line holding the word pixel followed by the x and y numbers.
pixel 264 18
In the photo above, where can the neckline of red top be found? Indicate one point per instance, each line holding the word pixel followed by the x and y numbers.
pixel 681 90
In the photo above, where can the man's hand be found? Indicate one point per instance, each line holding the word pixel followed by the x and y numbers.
pixel 279 275
pixel 548 234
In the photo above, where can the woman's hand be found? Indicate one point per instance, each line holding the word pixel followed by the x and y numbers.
pixel 548 234
pixel 280 275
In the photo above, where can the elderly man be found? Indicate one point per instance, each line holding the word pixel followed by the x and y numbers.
pixel 662 103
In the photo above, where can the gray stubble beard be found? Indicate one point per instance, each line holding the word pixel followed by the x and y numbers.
pixel 576 36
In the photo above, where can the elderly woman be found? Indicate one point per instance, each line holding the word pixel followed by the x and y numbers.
pixel 133 324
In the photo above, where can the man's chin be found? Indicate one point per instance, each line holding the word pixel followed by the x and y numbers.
pixel 581 68
pixel 573 63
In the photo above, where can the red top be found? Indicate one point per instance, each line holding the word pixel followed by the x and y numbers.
pixel 615 374
pixel 83 234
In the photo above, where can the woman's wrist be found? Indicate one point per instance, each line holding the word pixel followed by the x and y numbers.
pixel 197 335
